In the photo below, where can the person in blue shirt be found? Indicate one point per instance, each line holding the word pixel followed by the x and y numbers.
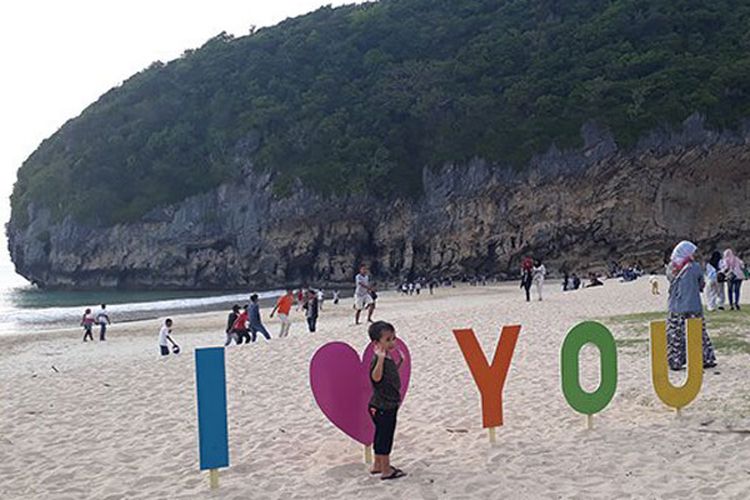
pixel 253 316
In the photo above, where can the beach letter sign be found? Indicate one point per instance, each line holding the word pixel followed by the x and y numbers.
pixel 677 397
pixel 211 390
pixel 581 401
pixel 490 379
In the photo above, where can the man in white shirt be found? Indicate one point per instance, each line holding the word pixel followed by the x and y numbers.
pixel 102 318
pixel 164 336
pixel 321 296
pixel 362 298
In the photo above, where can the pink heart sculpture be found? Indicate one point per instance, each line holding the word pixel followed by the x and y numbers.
pixel 341 385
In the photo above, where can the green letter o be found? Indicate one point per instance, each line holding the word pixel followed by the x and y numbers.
pixel 581 334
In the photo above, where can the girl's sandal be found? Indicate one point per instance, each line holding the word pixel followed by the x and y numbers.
pixel 397 473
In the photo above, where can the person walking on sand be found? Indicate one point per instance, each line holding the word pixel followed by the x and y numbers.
pixel 527 266
pixel 537 277
pixel 102 318
pixel 386 398
pixel 733 268
pixel 362 298
pixel 253 316
pixel 87 322
pixel 371 307
pixel 684 298
pixel 164 336
pixel 311 310
pixel 321 297
pixel 284 306
pixel 335 297
pixel 712 281
pixel 231 335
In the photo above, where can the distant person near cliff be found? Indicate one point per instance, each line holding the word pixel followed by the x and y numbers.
pixel 312 306
pixel 102 319
pixel 712 281
pixel 284 307
pixel 362 298
pixel 537 277
pixel 527 265
pixel 230 333
pixel 733 269
pixel 87 322
pixel 321 297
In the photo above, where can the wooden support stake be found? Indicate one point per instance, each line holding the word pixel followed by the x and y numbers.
pixel 678 413
pixel 213 478
pixel 368 454
pixel 589 422
pixel 492 434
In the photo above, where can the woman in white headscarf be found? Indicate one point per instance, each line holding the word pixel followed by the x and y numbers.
pixel 685 285
pixel 733 269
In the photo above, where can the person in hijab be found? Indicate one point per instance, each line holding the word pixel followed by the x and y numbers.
pixel 712 281
pixel 733 269
pixel 685 285
pixel 537 277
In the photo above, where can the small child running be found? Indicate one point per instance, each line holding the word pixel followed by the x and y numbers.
pixel 386 398
pixel 164 335
pixel 87 322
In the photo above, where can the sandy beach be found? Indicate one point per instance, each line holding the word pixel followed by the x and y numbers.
pixel 115 421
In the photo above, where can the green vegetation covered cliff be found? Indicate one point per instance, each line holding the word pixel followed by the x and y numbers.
pixel 359 99
pixel 362 103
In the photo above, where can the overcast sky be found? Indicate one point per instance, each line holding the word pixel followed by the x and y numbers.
pixel 58 56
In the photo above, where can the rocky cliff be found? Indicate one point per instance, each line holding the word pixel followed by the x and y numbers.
pixel 577 210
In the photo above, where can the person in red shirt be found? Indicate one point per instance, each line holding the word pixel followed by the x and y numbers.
pixel 240 327
pixel 284 306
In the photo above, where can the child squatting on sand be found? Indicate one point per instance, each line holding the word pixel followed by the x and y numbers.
pixel 386 397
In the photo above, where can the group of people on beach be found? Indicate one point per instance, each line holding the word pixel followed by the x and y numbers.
pixel 724 276
pixel 533 272
pixel 245 323
pixel 721 275
pixel 89 319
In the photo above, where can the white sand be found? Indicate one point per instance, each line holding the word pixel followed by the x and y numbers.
pixel 118 422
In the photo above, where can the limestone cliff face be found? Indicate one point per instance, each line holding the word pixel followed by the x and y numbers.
pixel 576 210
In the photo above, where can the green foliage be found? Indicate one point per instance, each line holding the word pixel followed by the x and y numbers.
pixel 360 98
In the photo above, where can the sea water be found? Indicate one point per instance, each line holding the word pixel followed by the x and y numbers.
pixel 26 308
